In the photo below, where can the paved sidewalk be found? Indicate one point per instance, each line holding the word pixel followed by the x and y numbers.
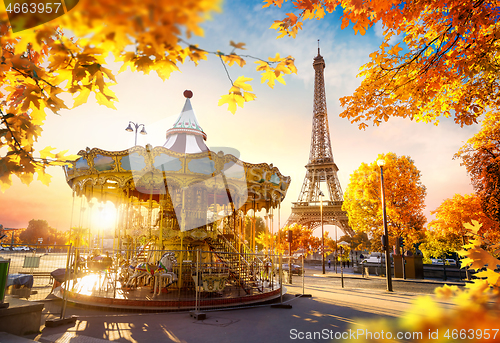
pixel 328 309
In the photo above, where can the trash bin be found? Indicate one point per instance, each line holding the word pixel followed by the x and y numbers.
pixel 4 272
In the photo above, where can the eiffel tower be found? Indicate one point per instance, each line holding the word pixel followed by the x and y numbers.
pixel 320 169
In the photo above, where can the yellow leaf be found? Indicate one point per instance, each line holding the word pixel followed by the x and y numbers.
pixel 276 58
pixel 43 177
pixel 276 25
pixel 491 276
pixel 474 226
pixel 105 100
pixel 240 82
pixel 82 97
pixel 237 45
pixel 46 152
pixel 233 58
pixel 230 100
pixel 446 291
pixel 249 96
pixel 395 50
pixel 26 178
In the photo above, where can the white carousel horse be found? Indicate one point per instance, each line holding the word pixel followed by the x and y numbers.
pixel 166 276
pixel 148 270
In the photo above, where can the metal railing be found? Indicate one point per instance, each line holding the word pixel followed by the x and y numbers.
pixel 35 270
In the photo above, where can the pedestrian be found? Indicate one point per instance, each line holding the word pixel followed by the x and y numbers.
pixel 329 263
pixel 348 262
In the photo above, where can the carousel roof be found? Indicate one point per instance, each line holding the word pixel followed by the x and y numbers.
pixel 186 136
pixel 184 165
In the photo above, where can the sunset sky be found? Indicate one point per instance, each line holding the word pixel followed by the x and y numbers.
pixel 276 128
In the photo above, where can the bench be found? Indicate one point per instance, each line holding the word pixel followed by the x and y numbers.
pixel 40 274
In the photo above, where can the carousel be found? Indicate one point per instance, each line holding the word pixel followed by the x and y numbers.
pixel 181 239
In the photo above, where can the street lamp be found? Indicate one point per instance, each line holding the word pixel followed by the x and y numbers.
pixel 322 231
pixel 131 129
pixel 388 270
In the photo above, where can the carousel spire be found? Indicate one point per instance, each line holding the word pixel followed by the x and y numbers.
pixel 186 135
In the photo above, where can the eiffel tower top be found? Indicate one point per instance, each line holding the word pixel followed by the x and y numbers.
pixel 321 149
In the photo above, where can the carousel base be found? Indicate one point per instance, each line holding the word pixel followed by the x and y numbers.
pixel 90 291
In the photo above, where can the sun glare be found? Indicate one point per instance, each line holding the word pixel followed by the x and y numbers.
pixel 104 216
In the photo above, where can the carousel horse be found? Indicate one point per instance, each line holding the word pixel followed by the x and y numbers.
pixel 166 276
pixel 148 270
pixel 126 269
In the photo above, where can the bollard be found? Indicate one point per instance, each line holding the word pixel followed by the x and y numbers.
pixel 4 274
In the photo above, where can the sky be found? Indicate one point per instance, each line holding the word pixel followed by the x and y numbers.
pixel 276 128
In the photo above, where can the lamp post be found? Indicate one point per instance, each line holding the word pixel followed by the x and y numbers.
pixel 136 126
pixel 336 250
pixel 388 271
pixel 322 231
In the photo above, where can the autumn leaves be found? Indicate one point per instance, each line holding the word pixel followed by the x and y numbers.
pixel 272 71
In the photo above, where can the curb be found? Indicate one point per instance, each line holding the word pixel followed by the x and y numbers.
pixel 437 282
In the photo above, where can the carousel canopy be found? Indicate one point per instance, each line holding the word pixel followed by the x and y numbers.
pixel 194 185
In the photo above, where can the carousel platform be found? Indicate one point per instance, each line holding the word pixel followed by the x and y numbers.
pixel 90 291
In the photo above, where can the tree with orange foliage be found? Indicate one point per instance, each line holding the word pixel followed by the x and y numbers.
pixel 447 231
pixel 302 238
pixel 69 54
pixel 481 157
pixel 405 199
pixel 437 58
pixel 474 315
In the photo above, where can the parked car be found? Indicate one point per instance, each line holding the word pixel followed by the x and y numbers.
pixel 296 269
pixel 439 261
pixel 20 248
pixel 372 259
pixel 2 248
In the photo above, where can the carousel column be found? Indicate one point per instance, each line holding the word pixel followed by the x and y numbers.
pixel 241 230
pixel 181 233
pixel 99 227
pixel 160 230
pixel 253 226
pixel 89 220
pixel 152 255
pixel 150 214
pixel 266 231
pixel 140 223
pixel 127 223
pixel 118 223
pixel 82 216
pixel 271 216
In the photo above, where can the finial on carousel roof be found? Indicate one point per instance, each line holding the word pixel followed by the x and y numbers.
pixel 186 135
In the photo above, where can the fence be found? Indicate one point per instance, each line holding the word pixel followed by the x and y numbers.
pixel 34 269
pixel 146 279
pixel 173 279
